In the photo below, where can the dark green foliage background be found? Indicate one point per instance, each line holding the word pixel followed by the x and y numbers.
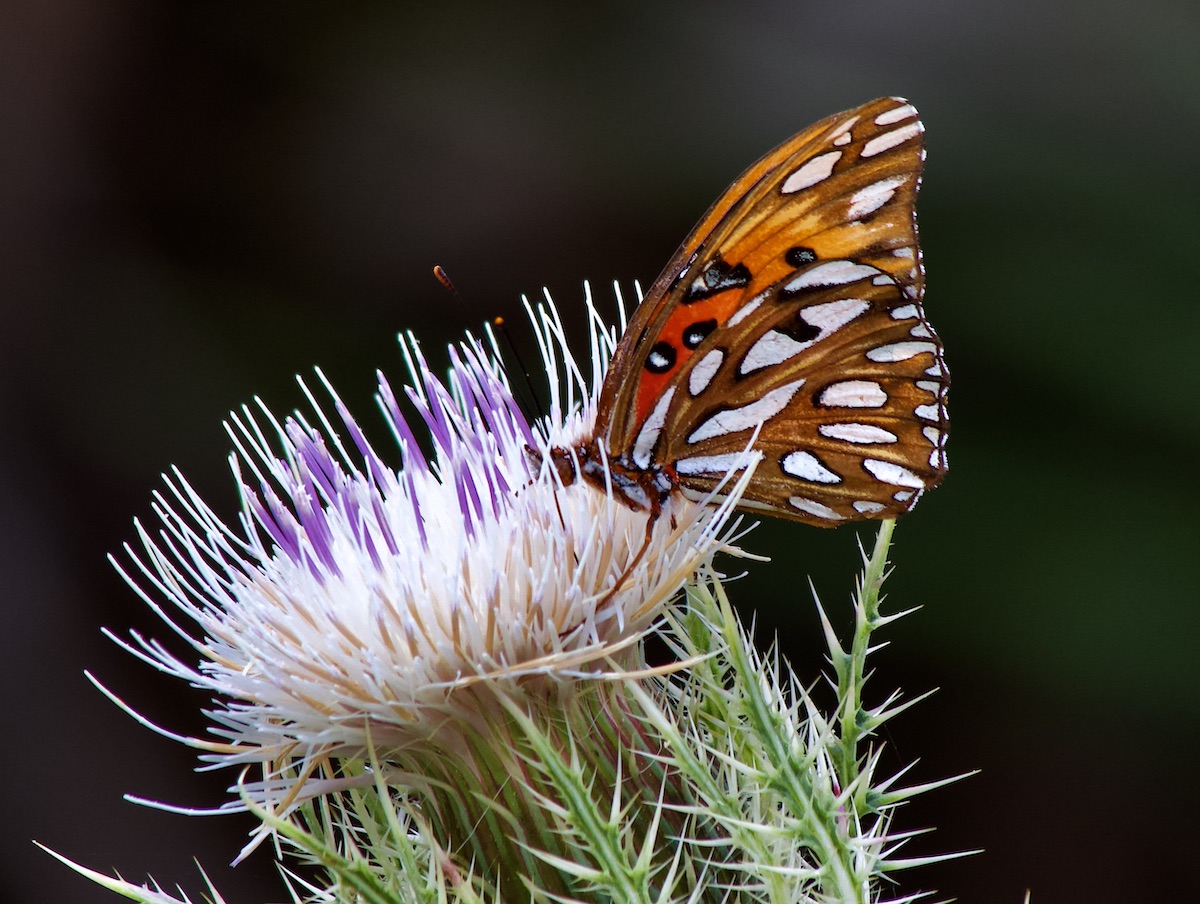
pixel 200 200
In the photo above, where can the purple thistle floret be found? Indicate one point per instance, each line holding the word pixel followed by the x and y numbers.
pixel 471 424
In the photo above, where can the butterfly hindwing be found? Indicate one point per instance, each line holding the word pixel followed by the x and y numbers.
pixel 850 422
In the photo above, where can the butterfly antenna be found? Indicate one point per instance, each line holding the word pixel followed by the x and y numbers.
pixel 440 274
pixel 501 326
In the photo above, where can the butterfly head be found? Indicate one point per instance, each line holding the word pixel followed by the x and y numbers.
pixel 643 489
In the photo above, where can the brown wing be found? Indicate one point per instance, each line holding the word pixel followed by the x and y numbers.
pixel 794 309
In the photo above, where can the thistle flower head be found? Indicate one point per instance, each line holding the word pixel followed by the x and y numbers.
pixel 387 600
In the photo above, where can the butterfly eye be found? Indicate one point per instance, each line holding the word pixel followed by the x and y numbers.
pixel 698 332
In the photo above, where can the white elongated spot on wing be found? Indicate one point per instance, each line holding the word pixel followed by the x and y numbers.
pixel 652 427
pixel 775 347
pixel 868 508
pixel 929 386
pixel 933 434
pixel 812 507
pixel 704 371
pixel 844 139
pixel 903 252
pixel 905 312
pixel 833 315
pixel 902 495
pixel 831 273
pixel 899 351
pixel 897 114
pixel 857 433
pixel 746 417
pixel 719 465
pixel 746 310
pixel 841 135
pixel 816 170
pixel 854 394
pixel 892 473
pixel 920 331
pixel 806 466
pixel 927 412
pixel 889 140
pixel 874 196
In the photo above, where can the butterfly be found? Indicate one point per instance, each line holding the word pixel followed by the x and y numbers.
pixel 788 330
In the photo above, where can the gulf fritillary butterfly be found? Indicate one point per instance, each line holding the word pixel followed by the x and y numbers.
pixel 794 310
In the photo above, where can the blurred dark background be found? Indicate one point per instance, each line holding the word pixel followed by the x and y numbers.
pixel 200 200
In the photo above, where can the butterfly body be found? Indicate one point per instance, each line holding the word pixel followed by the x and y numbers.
pixel 787 332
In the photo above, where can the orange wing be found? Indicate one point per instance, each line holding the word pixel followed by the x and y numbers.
pixel 794 309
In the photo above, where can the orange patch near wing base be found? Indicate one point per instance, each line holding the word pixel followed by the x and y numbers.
pixel 719 307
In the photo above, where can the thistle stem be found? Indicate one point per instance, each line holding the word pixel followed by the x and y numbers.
pixel 850 668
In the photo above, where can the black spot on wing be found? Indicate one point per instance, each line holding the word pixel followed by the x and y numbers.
pixel 718 276
pixel 698 332
pixel 800 329
pixel 799 256
pixel 661 358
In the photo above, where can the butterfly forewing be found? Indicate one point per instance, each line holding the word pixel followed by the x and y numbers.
pixel 793 310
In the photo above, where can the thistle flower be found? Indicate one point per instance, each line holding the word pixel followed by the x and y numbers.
pixel 437 665
pixel 361 606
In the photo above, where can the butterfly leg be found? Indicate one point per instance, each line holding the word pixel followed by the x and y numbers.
pixel 637 559
pixel 655 513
